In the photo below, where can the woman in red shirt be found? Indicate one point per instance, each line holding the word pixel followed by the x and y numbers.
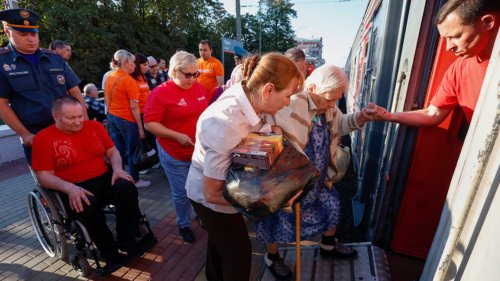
pixel 171 113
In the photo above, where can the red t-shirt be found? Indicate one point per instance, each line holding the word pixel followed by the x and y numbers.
pixel 73 157
pixel 177 109
pixel 461 85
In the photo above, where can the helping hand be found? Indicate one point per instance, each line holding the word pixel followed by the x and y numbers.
pixel 374 112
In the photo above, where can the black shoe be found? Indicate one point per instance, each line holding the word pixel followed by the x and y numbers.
pixel 148 241
pixel 278 268
pixel 337 251
pixel 113 262
pixel 187 234
pixel 200 221
pixel 137 249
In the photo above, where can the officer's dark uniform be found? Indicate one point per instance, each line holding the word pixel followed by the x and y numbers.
pixel 31 88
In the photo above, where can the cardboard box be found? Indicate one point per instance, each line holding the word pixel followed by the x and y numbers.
pixel 258 150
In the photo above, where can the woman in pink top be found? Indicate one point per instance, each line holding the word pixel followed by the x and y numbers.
pixel 171 113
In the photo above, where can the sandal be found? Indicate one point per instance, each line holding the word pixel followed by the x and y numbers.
pixel 278 268
pixel 337 251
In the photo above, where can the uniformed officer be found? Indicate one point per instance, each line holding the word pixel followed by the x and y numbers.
pixel 31 78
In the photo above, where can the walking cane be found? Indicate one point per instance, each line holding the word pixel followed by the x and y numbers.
pixel 297 240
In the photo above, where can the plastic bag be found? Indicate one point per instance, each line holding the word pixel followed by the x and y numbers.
pixel 145 156
pixel 259 193
pixel 343 157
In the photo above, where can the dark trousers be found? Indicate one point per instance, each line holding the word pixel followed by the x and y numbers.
pixel 123 195
pixel 150 137
pixel 229 251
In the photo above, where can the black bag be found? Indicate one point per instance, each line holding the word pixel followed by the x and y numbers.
pixel 145 156
pixel 259 193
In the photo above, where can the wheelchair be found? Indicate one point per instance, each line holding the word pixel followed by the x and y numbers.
pixel 63 237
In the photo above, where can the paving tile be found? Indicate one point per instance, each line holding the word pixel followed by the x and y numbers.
pixel 144 276
pixel 132 274
pixel 23 258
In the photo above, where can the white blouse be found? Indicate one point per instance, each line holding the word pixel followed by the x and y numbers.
pixel 220 128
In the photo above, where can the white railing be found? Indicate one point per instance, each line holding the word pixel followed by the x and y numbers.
pixel 10 146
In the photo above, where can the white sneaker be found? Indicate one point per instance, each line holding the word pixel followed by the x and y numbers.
pixel 156 166
pixel 143 172
pixel 142 183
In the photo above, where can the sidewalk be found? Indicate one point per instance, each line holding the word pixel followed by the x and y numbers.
pixel 22 257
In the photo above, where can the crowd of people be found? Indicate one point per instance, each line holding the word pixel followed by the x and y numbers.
pixel 194 121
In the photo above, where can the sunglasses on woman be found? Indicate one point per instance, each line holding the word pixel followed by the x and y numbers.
pixel 189 75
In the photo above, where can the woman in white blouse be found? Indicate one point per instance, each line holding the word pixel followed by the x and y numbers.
pixel 269 83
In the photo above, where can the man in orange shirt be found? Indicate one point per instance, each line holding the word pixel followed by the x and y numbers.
pixel 210 68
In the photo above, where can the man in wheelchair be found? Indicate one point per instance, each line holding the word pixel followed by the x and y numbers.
pixel 69 157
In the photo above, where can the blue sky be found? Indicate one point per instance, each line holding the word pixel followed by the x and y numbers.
pixel 337 22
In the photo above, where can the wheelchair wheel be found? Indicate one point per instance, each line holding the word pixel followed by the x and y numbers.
pixel 80 263
pixel 47 224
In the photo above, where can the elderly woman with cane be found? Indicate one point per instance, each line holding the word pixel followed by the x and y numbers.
pixel 313 124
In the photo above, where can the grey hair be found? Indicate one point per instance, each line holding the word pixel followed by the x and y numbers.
pixel 88 88
pixel 328 78
pixel 58 44
pixel 59 102
pixel 120 56
pixel 295 54
pixel 179 60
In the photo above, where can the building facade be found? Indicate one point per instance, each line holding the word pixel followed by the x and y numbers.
pixel 313 49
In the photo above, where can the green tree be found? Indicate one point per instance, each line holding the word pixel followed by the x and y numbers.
pixel 277 32
pixel 97 28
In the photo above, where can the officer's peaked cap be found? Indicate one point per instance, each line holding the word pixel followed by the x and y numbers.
pixel 22 20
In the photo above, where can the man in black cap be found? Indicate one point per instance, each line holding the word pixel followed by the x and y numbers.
pixel 31 78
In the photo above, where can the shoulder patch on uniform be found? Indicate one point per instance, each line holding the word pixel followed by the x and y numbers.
pixel 48 51
pixel 4 50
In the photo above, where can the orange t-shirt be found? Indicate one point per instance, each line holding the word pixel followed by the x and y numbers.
pixel 209 70
pixel 144 92
pixel 124 91
pixel 73 157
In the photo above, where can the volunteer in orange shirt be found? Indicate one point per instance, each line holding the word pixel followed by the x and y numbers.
pixel 124 118
pixel 210 68
pixel 141 66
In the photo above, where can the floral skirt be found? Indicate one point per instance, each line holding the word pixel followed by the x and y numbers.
pixel 319 209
